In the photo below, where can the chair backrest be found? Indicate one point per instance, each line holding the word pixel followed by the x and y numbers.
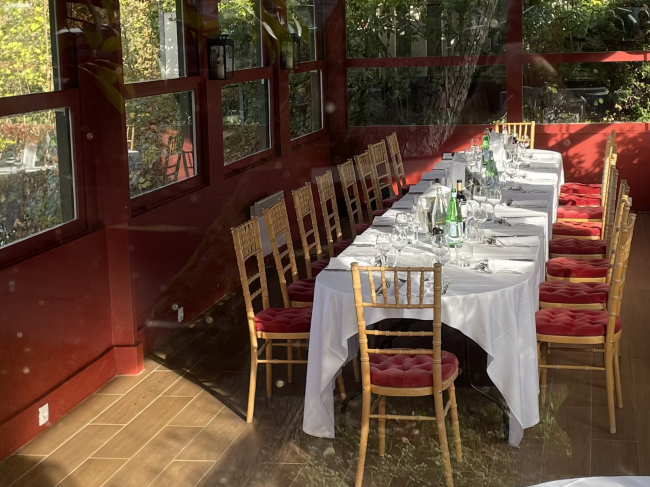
pixel 277 224
pixel 626 255
pixel 330 210
pixel 615 296
pixel 520 129
pixel 369 183
pixel 351 194
pixel 248 245
pixel 609 201
pixel 130 136
pixel 611 158
pixel 397 299
pixel 379 158
pixel 612 236
pixel 303 200
pixel 396 159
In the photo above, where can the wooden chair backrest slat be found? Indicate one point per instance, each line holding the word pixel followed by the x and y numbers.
pixel 369 183
pixel 330 209
pixel 379 157
pixel 303 200
pixel 615 296
pixel 518 128
pixel 351 194
pixel 396 158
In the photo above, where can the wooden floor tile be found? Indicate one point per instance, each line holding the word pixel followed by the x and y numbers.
pixel 69 425
pixel 182 474
pixel 68 457
pixel 138 398
pixel 122 383
pixel 184 388
pixel 14 467
pixel 93 472
pixel 144 427
pixel 611 458
pixel 567 449
pixel 149 462
pixel 199 412
pixel 216 438
pixel 274 475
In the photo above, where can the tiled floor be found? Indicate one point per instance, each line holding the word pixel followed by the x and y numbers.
pixel 179 423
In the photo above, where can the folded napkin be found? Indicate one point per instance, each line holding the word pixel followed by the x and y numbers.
pixel 532 241
pixel 540 175
pixel 542 165
pixel 366 239
pixel 502 265
pixel 365 256
pixel 447 156
pixel 528 203
pixel 384 221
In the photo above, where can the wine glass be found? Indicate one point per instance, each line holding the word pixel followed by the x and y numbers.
pixel 480 194
pixel 494 197
pixel 472 237
pixel 525 141
pixel 412 231
pixel 398 241
pixel 481 216
pixel 383 245
pixel 441 255
pixel 401 222
pixel 511 169
pixel 455 236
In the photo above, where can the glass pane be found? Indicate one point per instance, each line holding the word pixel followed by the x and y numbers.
pixel 160 140
pixel 240 19
pixel 425 28
pixel 27 51
pixel 585 26
pixel 245 111
pixel 36 179
pixel 587 92
pixel 454 95
pixel 305 101
pixel 152 40
pixel 303 21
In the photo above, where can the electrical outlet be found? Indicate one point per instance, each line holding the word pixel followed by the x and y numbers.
pixel 181 314
pixel 43 414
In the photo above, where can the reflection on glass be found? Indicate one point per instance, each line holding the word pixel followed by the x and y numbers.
pixel 585 26
pixel 587 92
pixel 27 54
pixel 245 112
pixel 36 182
pixel 305 102
pixel 240 19
pixel 454 95
pixel 152 40
pixel 160 140
pixel 302 19
pixel 425 28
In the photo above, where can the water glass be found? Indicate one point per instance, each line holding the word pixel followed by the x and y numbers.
pixel 412 231
pixel 401 222
pixel 472 237
pixel 383 245
pixel 398 241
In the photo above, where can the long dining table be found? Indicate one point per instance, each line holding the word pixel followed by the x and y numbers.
pixel 494 308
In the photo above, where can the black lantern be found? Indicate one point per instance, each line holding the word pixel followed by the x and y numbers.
pixel 221 57
pixel 290 51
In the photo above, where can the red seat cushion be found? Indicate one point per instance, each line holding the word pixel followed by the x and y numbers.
pixel 341 245
pixel 573 292
pixel 406 188
pixel 302 290
pixel 388 202
pixel 362 227
pixel 408 370
pixel 577 229
pixel 283 320
pixel 580 200
pixel 379 212
pixel 580 268
pixel 580 212
pixel 573 322
pixel 318 265
pixel 581 188
pixel 576 246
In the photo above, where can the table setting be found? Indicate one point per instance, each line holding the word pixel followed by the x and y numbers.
pixel 493 252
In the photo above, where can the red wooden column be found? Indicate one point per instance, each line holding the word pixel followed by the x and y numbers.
pixel 335 91
pixel 514 65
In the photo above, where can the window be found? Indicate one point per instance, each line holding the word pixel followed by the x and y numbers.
pixel 423 28
pixel 160 133
pixel 240 19
pixel 152 40
pixel 36 177
pixel 245 114
pixel 453 95
pixel 305 101
pixel 302 18
pixel 551 26
pixel 587 92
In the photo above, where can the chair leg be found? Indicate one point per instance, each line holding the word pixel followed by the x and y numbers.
pixel 617 375
pixel 357 369
pixel 251 386
pixel 299 351
pixel 609 375
pixel 290 357
pixel 269 370
pixel 544 354
pixel 454 422
pixel 382 427
pixel 341 383
pixel 363 443
pixel 539 361
pixel 442 437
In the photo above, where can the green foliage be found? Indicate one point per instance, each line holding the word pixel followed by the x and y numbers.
pixel 304 100
pixel 240 19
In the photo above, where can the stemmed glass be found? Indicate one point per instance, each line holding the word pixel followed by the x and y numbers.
pixel 525 141
pixel 398 241
pixel 494 198
pixel 383 245
pixel 412 230
pixel 472 237
pixel 481 216
pixel 401 222
pixel 441 255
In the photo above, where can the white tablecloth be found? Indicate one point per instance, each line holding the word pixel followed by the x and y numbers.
pixel 497 311
pixel 600 482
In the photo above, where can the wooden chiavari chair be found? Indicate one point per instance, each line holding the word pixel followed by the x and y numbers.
pixel 587 190
pixel 327 195
pixel 379 157
pixel 591 270
pixel 269 324
pixel 519 129
pixel 444 366
pixel 398 166
pixel 589 328
pixel 351 195
pixel 130 136
pixel 369 185
pixel 303 201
